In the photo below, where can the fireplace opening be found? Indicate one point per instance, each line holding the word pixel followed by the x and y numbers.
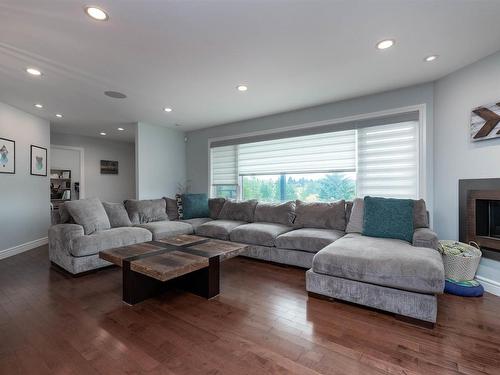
pixel 488 218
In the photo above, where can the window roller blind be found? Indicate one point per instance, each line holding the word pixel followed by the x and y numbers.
pixel 388 161
pixel 224 165
pixel 328 152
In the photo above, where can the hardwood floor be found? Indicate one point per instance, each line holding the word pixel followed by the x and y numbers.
pixel 263 322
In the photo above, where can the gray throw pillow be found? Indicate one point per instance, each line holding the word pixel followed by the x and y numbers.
pixel 348 210
pixel 420 217
pixel 283 213
pixel 215 206
pixel 117 214
pixel 239 211
pixel 355 223
pixel 147 210
pixel 320 215
pixel 90 214
pixel 64 216
pixel 172 212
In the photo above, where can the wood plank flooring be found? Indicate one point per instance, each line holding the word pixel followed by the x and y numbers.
pixel 263 322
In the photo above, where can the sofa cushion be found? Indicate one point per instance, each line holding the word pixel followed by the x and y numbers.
pixel 320 215
pixel 194 206
pixel 117 214
pixel 162 229
pixel 146 211
pixel 388 218
pixel 355 223
pixel 281 213
pixel 308 239
pixel 89 213
pixel 215 206
pixel 172 212
pixel 382 261
pixel 196 222
pixel 218 228
pixel 238 211
pixel 107 239
pixel 262 234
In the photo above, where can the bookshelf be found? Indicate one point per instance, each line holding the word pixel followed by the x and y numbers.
pixel 60 186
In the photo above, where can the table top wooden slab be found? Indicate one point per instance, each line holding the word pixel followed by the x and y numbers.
pixel 224 249
pixel 181 240
pixel 167 266
pixel 118 254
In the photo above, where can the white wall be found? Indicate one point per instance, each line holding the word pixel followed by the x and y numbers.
pixel 106 187
pixel 161 161
pixel 197 146
pixel 455 156
pixel 24 199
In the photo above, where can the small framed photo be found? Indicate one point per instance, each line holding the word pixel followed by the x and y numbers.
pixel 7 156
pixel 109 167
pixel 38 161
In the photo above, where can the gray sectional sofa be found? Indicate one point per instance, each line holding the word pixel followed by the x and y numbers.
pixel 325 238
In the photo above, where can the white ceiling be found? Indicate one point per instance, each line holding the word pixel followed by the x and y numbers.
pixel 190 55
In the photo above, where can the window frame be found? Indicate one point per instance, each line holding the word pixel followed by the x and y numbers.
pixel 421 141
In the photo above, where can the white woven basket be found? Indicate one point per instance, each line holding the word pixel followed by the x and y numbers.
pixel 459 267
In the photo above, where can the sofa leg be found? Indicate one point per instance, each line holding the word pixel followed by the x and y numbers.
pixel 75 275
pixel 415 322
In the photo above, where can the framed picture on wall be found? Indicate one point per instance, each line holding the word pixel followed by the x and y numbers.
pixel 109 167
pixel 485 122
pixel 7 156
pixel 38 161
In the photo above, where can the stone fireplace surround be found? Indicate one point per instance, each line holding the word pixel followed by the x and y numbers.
pixel 476 198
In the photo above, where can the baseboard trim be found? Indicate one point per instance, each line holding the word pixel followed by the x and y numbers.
pixel 491 286
pixel 23 247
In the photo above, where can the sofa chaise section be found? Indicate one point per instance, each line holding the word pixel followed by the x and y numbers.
pixel 385 273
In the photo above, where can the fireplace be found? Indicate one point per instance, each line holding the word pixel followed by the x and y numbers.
pixel 479 214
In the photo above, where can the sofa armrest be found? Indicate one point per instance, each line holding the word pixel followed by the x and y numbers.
pixel 61 236
pixel 425 237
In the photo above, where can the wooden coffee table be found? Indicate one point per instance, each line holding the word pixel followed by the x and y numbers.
pixel 184 261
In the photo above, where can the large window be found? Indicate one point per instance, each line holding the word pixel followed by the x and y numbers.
pixel 379 160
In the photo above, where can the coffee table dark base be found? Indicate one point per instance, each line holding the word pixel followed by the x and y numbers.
pixel 138 287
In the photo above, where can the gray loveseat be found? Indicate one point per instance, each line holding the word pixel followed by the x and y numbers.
pixel 325 238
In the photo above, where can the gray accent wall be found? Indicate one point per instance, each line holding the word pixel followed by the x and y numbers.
pixel 197 145
pixel 456 157
pixel 24 199
pixel 161 161
pixel 106 187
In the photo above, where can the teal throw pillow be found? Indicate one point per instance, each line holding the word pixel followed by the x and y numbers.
pixel 194 205
pixel 388 218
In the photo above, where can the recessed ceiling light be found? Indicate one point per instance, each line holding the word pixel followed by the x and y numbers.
pixel 102 133
pixel 121 129
pixel 384 44
pixel 38 105
pixel 431 58
pixel 167 109
pixel 59 115
pixel 96 13
pixel 34 72
pixel 242 87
